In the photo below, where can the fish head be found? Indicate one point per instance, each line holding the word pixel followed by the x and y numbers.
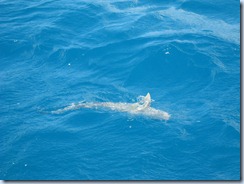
pixel 165 115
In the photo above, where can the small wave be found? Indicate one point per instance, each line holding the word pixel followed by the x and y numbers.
pixel 201 24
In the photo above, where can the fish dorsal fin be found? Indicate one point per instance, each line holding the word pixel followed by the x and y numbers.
pixel 146 102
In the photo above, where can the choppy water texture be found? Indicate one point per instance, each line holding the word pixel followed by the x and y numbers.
pixel 185 53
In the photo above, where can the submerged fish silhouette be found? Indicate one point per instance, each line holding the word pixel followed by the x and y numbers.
pixel 141 108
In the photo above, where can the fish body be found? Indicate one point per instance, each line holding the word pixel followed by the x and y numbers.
pixel 138 108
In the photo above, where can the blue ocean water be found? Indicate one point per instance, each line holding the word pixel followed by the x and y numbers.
pixel 185 53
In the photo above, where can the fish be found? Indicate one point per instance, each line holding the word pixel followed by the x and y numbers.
pixel 142 107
